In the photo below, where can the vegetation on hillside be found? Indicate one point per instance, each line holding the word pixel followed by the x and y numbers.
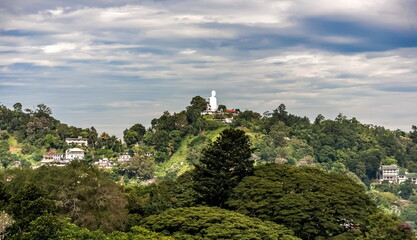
pixel 270 176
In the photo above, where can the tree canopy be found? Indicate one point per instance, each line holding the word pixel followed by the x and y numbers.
pixel 307 200
pixel 214 223
pixel 222 165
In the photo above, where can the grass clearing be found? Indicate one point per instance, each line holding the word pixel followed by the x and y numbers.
pixel 178 159
pixel 14 145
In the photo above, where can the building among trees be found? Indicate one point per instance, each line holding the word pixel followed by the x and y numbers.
pixel 393 174
pixel 62 160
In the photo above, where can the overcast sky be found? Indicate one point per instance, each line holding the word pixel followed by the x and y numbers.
pixel 111 64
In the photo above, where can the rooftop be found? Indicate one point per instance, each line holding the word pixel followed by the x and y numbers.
pixel 392 166
pixel 75 149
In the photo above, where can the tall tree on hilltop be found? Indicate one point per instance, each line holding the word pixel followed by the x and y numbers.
pixel 413 134
pixel 43 110
pixel 223 164
pixel 198 104
pixel 17 107
pixel 134 134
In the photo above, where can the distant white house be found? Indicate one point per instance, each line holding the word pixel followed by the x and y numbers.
pixel 74 153
pixel 56 163
pixel 104 163
pixel 53 157
pixel 54 160
pixel 123 158
pixel 61 160
pixel 389 173
pixel 393 174
pixel 80 141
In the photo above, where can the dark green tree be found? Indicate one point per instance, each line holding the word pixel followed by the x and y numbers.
pixel 413 134
pixel 160 196
pixel 139 128
pixel 4 197
pixel 222 107
pixel 43 110
pixel 17 107
pixel 312 203
pixel 248 119
pixel 139 166
pixel 45 227
pixel 212 223
pixel 406 189
pixel 83 193
pixel 131 137
pixel 222 165
pixel 383 226
pixel 198 104
pixel 29 203
pixel 134 134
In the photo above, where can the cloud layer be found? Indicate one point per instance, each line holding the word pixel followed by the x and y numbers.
pixel 115 63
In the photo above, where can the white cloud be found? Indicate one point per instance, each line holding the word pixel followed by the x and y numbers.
pixel 188 51
pixel 60 47
pixel 12 84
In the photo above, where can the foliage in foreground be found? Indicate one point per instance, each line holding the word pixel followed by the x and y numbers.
pixel 307 200
pixel 214 223
pixel 85 194
pixel 52 227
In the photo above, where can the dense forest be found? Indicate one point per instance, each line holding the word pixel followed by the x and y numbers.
pixel 192 176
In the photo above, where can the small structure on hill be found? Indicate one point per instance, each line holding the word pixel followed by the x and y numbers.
pixel 104 163
pixel 123 158
pixel 54 160
pixel 393 174
pixel 74 153
pixel 61 160
pixel 389 173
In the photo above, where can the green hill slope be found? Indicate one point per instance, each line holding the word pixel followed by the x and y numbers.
pixel 178 162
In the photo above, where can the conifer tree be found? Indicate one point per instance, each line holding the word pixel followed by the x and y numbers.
pixel 222 165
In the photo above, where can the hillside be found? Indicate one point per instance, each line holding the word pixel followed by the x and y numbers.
pixel 341 145
pixel 177 147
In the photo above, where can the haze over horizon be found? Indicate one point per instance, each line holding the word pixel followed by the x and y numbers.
pixel 111 64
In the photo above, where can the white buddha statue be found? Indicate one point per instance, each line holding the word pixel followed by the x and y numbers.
pixel 213 102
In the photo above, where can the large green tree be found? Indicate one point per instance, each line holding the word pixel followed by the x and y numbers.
pixel 29 203
pixel 134 134
pixel 139 166
pixel 160 196
pixel 198 104
pixel 383 226
pixel 85 194
pixel 214 223
pixel 222 165
pixel 307 200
